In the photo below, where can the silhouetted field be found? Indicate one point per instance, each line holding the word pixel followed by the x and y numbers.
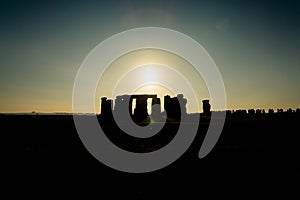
pixel 253 153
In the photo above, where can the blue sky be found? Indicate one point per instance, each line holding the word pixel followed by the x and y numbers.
pixel 255 44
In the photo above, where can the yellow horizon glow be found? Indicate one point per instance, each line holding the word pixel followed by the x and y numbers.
pixel 146 58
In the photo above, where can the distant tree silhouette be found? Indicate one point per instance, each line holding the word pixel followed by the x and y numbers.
pixel 251 111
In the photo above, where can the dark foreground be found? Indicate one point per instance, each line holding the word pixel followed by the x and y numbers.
pixel 255 155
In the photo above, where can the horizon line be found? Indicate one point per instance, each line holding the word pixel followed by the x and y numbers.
pixel 266 111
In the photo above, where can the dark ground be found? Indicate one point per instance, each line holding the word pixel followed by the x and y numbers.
pixel 255 155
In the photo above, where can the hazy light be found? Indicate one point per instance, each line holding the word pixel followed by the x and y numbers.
pixel 149 71
pixel 149 74
pixel 155 78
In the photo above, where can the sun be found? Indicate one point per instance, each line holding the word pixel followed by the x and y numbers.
pixel 152 72
pixel 149 74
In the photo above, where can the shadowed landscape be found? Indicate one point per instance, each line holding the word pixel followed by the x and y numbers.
pixel 254 147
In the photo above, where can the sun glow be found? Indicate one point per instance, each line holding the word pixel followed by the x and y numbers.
pixel 148 74
pixel 152 71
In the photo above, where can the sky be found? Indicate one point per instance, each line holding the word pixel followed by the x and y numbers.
pixel 255 45
pixel 153 71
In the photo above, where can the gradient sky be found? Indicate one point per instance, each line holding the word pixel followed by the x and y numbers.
pixel 255 44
